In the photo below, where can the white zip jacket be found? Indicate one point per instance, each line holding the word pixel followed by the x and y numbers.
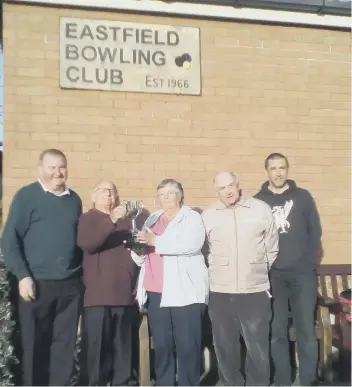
pixel 186 278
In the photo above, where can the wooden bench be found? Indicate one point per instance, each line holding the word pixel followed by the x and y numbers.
pixel 331 281
pixel 145 342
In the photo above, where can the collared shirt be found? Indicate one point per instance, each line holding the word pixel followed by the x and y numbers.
pixel 66 192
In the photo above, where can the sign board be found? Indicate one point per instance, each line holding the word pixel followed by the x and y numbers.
pixel 124 56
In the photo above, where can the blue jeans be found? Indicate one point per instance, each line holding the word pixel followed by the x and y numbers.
pixel 300 291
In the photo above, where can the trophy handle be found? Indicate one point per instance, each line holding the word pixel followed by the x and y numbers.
pixel 134 227
pixel 140 208
pixel 125 204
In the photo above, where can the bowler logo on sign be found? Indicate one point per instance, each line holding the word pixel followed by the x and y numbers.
pixel 124 56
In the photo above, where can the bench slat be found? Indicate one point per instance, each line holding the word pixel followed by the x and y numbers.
pixel 345 281
pixel 324 291
pixel 334 287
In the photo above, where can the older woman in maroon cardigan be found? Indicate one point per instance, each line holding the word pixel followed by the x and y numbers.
pixel 110 277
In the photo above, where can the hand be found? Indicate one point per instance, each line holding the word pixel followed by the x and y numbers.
pixel 147 237
pixel 139 250
pixel 127 245
pixel 26 289
pixel 118 213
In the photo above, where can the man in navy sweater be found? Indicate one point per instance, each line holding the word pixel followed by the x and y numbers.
pixel 39 247
pixel 293 274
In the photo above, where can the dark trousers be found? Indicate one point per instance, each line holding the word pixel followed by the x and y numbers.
pixel 300 291
pixel 48 327
pixel 233 316
pixel 180 329
pixel 107 345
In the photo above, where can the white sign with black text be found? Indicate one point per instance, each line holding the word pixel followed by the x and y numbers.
pixel 124 56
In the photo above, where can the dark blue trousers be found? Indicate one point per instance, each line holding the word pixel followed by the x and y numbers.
pixel 177 334
pixel 300 291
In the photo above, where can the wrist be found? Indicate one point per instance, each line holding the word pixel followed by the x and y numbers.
pixel 24 278
pixel 114 218
pixel 154 241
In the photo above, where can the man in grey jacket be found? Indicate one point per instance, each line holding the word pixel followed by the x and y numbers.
pixel 243 244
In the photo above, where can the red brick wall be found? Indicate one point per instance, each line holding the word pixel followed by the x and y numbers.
pixel 265 89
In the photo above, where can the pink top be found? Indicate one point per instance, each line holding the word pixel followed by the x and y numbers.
pixel 154 264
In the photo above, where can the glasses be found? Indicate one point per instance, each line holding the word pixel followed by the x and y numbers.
pixel 106 190
pixel 167 193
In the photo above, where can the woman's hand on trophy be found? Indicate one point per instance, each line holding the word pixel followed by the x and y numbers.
pixel 138 249
pixel 118 212
pixel 147 237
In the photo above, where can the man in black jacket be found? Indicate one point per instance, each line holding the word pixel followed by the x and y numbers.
pixel 39 246
pixel 293 274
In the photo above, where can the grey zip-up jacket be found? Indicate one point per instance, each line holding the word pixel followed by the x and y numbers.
pixel 243 243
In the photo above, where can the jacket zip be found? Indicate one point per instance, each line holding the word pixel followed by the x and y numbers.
pixel 236 247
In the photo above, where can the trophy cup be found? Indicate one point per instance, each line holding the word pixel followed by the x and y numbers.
pixel 133 210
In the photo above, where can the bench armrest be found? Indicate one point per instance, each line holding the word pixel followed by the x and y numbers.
pixel 326 301
pixel 325 345
pixel 323 316
pixel 334 306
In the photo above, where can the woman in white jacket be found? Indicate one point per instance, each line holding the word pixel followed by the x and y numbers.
pixel 174 285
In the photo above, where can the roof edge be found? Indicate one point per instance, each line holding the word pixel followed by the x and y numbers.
pixel 206 11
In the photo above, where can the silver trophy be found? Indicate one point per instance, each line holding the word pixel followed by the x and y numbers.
pixel 133 210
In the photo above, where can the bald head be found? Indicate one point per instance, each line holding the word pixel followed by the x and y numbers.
pixel 225 178
pixel 104 195
pixel 226 185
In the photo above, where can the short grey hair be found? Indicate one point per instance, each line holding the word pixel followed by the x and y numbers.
pixel 173 183
pixel 52 152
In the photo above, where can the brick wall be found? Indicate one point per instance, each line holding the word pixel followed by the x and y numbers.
pixel 265 89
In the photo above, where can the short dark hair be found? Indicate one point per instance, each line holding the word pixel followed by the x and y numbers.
pixel 174 183
pixel 52 152
pixel 275 156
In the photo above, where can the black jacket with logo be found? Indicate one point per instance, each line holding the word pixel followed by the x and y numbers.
pixel 298 222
